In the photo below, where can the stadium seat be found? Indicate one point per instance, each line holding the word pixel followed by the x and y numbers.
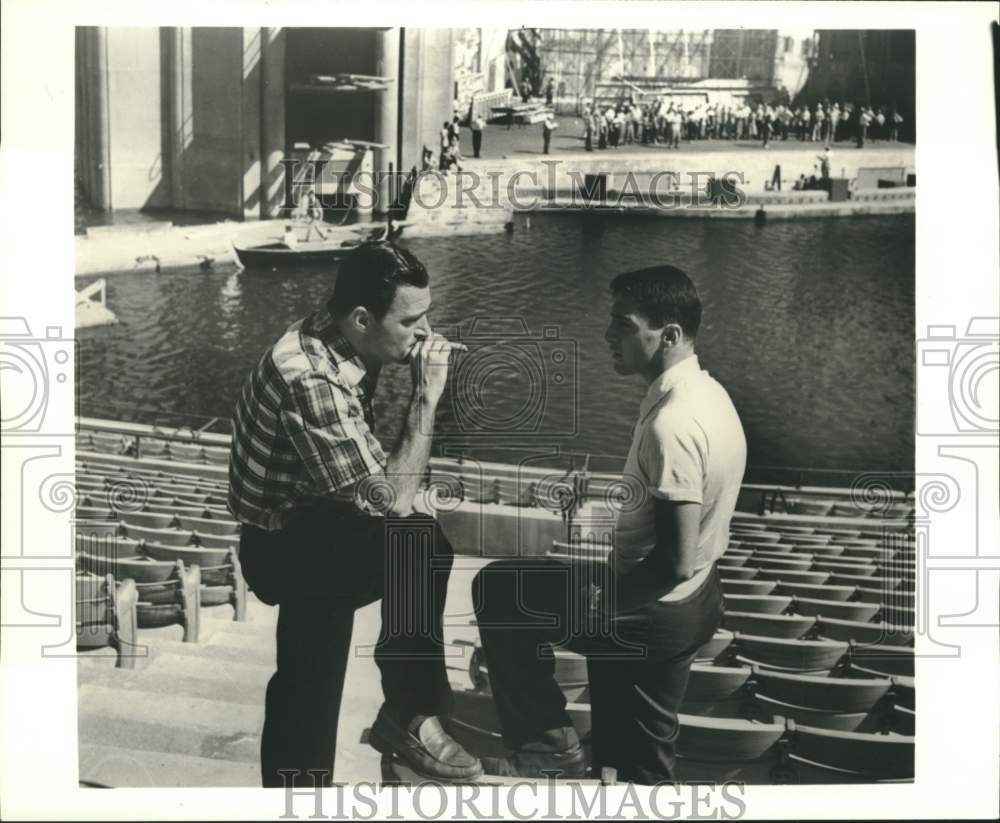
pixel 713 683
pixel 722 749
pixel 768 625
pixel 754 587
pixel 105 615
pixel 828 694
pixel 788 655
pixel 733 559
pixel 860 612
pixel 94 513
pixel 719 642
pixel 792 564
pixel 822 591
pixel 879 633
pixel 148 520
pixel 189 555
pixel 825 755
pixel 758 604
pixel 830 551
pixel 186 452
pixel 217 541
pixel 165 537
pixel 174 601
pixel 783 575
pixel 731 572
pixel 768 710
pixel 133 567
pixel 839 579
pixel 224 584
pixel 888 660
pixel 206 525
pixel 845 567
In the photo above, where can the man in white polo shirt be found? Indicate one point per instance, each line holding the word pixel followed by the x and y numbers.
pixel 659 599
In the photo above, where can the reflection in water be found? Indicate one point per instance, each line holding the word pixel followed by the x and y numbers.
pixel 809 325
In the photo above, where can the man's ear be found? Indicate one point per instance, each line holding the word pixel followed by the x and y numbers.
pixel 671 334
pixel 360 319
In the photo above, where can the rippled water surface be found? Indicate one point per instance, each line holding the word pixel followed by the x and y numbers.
pixel 809 325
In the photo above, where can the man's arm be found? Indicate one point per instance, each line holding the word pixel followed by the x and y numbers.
pixel 408 460
pixel 671 560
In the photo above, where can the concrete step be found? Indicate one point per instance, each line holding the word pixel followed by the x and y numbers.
pixel 212 624
pixel 173 674
pixel 241 645
pixel 112 766
pixel 217 648
pixel 151 721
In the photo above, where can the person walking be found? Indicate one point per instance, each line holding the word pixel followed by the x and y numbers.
pixel 548 126
pixel 477 124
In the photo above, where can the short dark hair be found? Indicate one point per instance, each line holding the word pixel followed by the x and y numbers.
pixel 662 294
pixel 369 276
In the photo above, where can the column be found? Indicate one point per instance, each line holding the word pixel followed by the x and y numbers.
pixel 272 120
pixel 387 114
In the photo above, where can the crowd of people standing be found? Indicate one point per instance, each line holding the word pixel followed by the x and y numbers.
pixel 666 122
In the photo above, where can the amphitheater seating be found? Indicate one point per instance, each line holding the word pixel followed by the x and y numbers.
pixel 860 612
pixel 767 710
pixel 106 616
pixel 826 755
pixel 710 748
pixel 886 659
pixel 809 679
pixel 822 592
pixel 879 633
pixel 828 694
pixel 783 575
pixel 718 644
pixel 788 655
pixel 768 625
pixel 758 604
pixel 751 587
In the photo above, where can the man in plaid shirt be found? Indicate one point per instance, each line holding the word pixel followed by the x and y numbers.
pixel 329 526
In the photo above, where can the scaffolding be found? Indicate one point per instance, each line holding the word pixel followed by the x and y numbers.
pixel 596 63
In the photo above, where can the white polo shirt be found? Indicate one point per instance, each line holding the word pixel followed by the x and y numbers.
pixel 688 446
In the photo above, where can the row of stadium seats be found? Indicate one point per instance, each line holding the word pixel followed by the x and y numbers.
pixel 745 723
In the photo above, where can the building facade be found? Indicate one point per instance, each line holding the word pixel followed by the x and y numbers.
pixel 202 118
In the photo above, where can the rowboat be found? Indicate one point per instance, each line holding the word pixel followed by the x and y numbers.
pixel 279 255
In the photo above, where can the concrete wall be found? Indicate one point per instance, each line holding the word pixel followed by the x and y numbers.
pixel 208 142
pixel 135 109
pixel 428 80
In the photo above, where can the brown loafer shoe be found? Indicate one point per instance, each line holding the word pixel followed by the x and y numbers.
pixel 425 747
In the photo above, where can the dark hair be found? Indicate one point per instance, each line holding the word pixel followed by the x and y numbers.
pixel 369 276
pixel 662 294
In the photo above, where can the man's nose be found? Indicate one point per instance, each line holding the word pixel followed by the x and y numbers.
pixel 423 328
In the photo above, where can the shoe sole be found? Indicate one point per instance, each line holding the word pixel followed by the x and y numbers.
pixel 383 746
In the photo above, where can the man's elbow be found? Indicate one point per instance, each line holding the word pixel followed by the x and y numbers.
pixel 683 572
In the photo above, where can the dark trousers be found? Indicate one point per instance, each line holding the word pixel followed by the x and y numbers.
pixel 638 663
pixel 477 142
pixel 318 570
pixel 546 139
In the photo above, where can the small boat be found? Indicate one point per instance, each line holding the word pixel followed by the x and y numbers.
pixel 279 255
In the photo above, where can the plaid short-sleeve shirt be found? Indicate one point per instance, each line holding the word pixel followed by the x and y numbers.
pixel 303 427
